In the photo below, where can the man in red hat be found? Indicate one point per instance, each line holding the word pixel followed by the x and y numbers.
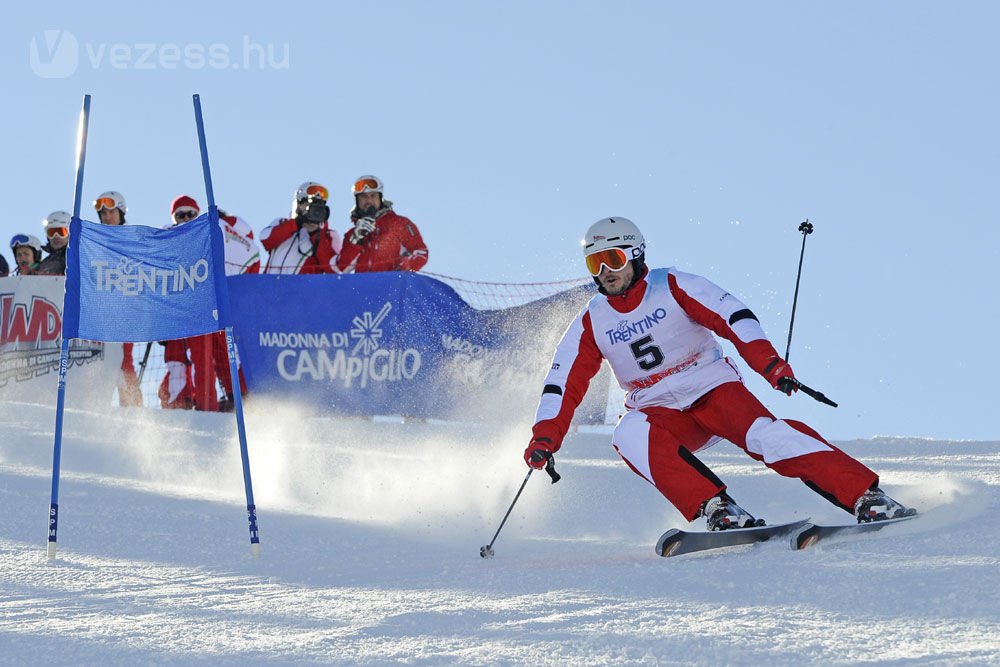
pixel 208 352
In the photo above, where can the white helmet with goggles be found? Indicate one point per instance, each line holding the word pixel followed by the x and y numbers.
pixel 27 241
pixel 612 242
pixel 312 189
pixel 110 199
pixel 56 220
pixel 366 183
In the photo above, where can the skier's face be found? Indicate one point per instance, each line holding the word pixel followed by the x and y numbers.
pixel 184 214
pixel 110 216
pixel 57 240
pixel 368 202
pixel 24 256
pixel 615 282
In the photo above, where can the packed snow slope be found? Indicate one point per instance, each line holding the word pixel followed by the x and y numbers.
pixel 370 536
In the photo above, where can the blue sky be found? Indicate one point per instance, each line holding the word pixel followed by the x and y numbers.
pixel 504 129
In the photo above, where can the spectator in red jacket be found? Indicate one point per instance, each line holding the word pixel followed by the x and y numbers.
pixel 304 242
pixel 381 240
pixel 208 355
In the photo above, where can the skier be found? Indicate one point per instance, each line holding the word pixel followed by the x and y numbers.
pixel 111 209
pixel 27 254
pixel 56 226
pixel 655 329
pixel 380 240
pixel 304 242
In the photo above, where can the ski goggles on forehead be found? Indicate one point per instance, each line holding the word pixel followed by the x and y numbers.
pixel 53 232
pixel 105 202
pixel 365 185
pixel 613 258
pixel 317 191
pixel 19 239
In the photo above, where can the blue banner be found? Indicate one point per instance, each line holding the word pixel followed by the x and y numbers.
pixel 396 344
pixel 135 284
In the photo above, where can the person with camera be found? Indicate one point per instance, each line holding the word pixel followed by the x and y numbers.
pixel 381 240
pixel 304 242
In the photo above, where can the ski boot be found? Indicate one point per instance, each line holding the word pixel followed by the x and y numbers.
pixel 874 505
pixel 722 513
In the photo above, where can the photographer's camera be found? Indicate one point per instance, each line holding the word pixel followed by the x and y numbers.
pixel 315 211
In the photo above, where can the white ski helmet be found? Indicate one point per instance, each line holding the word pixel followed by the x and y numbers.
pixel 56 219
pixel 615 233
pixel 27 241
pixel 111 199
pixel 304 192
pixel 311 189
pixel 366 183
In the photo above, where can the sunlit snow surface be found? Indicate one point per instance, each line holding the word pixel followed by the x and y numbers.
pixel 370 539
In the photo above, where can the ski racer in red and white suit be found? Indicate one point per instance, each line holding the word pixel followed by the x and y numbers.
pixel 381 240
pixel 656 332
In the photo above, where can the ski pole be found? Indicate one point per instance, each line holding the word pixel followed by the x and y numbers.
pixel 818 395
pixel 487 551
pixel 806 228
pixel 142 364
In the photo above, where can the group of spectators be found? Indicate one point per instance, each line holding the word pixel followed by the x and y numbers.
pixel 379 239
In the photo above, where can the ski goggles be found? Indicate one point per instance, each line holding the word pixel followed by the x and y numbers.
pixel 53 232
pixel 363 185
pixel 318 191
pixel 19 240
pixel 105 202
pixel 613 258
pixel 184 214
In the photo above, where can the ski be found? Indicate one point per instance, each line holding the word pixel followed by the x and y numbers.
pixel 811 533
pixel 676 542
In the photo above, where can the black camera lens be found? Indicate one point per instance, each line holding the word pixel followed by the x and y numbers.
pixel 316 211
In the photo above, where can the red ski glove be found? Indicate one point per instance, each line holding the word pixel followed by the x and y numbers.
pixel 538 453
pixel 780 375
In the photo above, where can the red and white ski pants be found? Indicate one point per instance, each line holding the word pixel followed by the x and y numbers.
pixel 657 443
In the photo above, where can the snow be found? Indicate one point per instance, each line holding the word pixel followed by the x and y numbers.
pixel 370 536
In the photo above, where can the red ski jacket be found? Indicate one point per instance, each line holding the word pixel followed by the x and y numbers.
pixel 395 245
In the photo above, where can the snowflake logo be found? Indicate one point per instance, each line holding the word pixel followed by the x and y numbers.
pixel 367 330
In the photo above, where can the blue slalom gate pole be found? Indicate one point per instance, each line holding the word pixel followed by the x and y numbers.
pixel 81 156
pixel 213 216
